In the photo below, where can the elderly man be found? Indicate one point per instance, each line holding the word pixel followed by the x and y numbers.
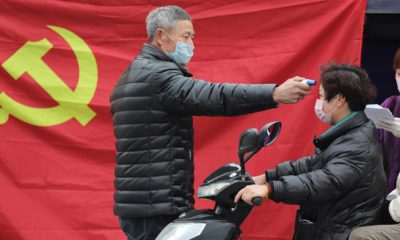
pixel 153 104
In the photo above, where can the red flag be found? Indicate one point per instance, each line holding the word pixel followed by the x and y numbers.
pixel 60 60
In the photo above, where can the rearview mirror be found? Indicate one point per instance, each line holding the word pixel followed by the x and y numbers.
pixel 269 133
pixel 251 141
pixel 248 142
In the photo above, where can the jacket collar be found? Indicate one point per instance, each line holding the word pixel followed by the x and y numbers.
pixel 151 52
pixel 354 120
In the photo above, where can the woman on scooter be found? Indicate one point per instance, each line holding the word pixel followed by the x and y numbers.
pixel 343 185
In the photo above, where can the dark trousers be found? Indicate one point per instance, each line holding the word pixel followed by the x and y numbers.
pixel 145 228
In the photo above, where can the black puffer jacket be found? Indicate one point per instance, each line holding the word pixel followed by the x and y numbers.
pixel 152 106
pixel 341 187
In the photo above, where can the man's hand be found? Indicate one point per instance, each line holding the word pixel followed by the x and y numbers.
pixel 251 191
pixel 260 180
pixel 390 126
pixel 291 91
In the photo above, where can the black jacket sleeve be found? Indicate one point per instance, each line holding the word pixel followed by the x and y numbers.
pixel 186 95
pixel 328 183
pixel 300 166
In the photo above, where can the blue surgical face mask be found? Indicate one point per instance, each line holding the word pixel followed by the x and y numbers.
pixel 183 52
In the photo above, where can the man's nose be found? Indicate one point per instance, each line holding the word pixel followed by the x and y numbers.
pixel 190 42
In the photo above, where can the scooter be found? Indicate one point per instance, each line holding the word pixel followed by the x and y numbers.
pixel 223 222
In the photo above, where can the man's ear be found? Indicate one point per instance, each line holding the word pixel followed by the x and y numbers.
pixel 158 37
pixel 341 100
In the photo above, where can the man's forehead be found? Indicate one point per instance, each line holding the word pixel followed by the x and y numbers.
pixel 190 32
pixel 184 26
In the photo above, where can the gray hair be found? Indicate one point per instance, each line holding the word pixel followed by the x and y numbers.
pixel 165 18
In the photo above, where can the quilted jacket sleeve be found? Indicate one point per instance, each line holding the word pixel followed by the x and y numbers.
pixel 186 95
pixel 328 183
pixel 300 166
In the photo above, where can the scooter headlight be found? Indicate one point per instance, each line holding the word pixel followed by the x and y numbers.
pixel 181 231
pixel 211 190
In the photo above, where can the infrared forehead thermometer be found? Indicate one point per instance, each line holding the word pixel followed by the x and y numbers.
pixel 309 82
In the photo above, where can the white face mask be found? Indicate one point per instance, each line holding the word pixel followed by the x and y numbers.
pixel 324 117
pixel 398 81
pixel 183 52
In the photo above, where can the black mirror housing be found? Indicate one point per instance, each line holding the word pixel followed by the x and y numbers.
pixel 269 133
pixel 252 140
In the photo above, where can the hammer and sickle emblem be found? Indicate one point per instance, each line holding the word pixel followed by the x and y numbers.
pixel 71 104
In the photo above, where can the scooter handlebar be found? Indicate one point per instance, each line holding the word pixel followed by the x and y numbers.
pixel 257 201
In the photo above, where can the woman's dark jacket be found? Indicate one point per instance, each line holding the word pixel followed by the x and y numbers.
pixel 341 187
pixel 152 106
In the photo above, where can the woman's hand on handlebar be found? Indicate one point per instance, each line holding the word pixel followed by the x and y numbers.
pixel 251 191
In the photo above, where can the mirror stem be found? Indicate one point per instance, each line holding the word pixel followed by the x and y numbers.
pixel 242 168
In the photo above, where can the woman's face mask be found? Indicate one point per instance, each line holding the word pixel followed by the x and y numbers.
pixel 183 52
pixel 324 117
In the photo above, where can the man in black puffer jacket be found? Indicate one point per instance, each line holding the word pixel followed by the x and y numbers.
pixel 152 106
pixel 344 184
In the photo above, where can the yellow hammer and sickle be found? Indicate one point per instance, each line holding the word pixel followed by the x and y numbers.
pixel 72 104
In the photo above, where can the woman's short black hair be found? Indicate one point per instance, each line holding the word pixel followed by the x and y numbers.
pixel 351 82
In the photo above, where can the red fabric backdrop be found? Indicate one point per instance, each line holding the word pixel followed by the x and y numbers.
pixel 56 177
